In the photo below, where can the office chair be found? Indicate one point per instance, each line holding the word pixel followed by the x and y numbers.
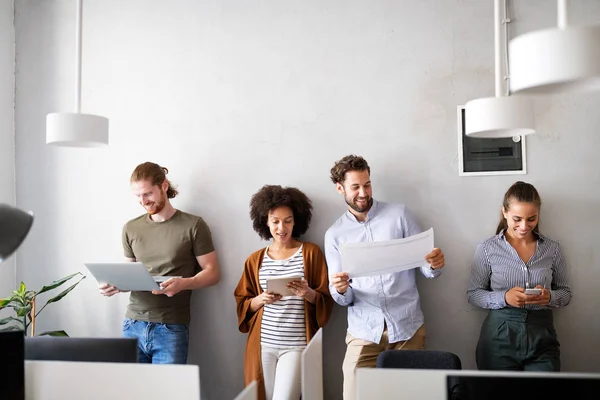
pixel 81 349
pixel 418 359
pixel 424 359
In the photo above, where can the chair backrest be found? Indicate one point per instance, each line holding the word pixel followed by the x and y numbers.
pixel 418 359
pixel 81 349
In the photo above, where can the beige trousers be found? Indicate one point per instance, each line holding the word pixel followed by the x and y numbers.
pixel 363 354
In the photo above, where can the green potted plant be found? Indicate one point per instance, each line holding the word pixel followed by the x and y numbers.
pixel 23 302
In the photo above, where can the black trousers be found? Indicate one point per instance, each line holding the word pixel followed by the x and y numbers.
pixel 517 339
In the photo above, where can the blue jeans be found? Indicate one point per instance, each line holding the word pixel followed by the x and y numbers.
pixel 158 343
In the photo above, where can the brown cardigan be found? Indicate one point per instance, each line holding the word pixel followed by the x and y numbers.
pixel 315 272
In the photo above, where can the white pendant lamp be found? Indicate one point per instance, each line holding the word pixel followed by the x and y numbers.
pixel 502 115
pixel 76 129
pixel 552 61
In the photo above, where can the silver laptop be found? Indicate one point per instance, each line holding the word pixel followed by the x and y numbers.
pixel 126 275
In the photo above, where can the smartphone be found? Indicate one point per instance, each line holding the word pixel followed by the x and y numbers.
pixel 533 291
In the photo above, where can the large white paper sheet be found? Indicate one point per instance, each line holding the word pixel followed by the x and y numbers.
pixel 385 257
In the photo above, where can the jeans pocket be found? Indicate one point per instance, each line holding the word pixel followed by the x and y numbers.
pixel 127 324
pixel 176 327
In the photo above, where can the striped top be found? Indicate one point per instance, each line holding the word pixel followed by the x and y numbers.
pixel 283 322
pixel 497 268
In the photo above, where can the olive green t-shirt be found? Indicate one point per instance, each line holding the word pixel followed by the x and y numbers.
pixel 165 248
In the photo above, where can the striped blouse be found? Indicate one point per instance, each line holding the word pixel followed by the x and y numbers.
pixel 283 322
pixel 497 268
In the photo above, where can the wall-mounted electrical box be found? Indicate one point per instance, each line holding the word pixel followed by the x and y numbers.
pixel 479 156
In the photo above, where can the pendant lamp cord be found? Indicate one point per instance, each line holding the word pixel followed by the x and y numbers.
pixel 561 13
pixel 78 47
pixel 505 22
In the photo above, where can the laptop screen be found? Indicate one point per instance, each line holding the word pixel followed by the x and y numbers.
pixel 478 387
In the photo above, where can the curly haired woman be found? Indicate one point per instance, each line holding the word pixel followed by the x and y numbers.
pixel 279 327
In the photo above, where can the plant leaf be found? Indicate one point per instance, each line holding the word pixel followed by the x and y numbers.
pixel 12 328
pixel 5 302
pixel 15 298
pixel 22 288
pixel 6 320
pixel 60 295
pixel 63 293
pixel 54 333
pixel 23 311
pixel 59 282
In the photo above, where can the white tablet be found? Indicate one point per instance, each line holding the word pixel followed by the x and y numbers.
pixel 126 275
pixel 278 285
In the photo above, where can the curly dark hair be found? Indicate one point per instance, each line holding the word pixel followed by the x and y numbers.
pixel 346 164
pixel 270 197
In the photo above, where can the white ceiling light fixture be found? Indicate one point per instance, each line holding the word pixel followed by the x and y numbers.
pixel 77 129
pixel 502 115
pixel 557 60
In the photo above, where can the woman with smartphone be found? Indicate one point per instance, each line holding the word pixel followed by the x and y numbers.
pixel 280 324
pixel 520 276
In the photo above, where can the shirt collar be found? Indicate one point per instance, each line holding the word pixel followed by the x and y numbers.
pixel 538 235
pixel 370 214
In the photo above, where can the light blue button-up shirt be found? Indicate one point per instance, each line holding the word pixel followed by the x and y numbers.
pixel 392 299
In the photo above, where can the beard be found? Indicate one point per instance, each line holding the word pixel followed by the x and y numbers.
pixel 156 207
pixel 358 208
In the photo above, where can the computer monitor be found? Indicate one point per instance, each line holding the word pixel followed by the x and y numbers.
pixel 438 384
pixel 12 365
pixel 312 368
pixel 250 392
pixel 81 349
pixel 74 380
pixel 521 386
